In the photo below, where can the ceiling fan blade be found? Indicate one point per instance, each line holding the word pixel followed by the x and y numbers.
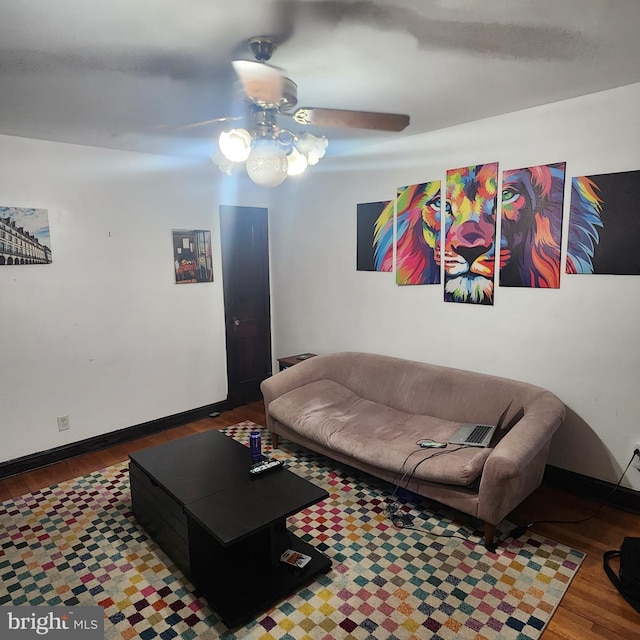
pixel 204 123
pixel 195 125
pixel 262 83
pixel 355 119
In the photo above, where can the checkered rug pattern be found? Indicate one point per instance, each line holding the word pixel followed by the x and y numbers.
pixel 78 543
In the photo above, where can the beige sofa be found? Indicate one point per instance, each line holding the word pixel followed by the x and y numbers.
pixel 369 411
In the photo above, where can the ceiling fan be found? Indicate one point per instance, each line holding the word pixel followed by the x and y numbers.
pixel 269 151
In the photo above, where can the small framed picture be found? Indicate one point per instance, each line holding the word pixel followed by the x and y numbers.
pixel 192 256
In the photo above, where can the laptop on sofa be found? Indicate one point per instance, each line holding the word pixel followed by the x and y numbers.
pixel 478 435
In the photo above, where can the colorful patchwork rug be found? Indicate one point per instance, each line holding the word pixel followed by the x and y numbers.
pixel 78 543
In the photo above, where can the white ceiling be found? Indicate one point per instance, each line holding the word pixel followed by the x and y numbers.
pixel 129 74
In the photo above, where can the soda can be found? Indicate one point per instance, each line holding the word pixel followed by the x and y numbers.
pixel 255 446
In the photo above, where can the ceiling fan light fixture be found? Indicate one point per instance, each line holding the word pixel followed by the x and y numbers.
pixel 286 140
pixel 225 165
pixel 270 153
pixel 296 162
pixel 235 144
pixel 267 163
pixel 312 147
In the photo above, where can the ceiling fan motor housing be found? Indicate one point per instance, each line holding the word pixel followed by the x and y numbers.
pixel 262 48
pixel 264 117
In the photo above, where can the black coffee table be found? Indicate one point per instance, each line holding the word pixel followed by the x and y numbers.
pixel 225 530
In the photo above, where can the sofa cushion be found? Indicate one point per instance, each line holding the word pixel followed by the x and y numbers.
pixel 332 415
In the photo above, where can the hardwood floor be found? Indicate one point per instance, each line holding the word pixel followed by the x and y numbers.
pixel 591 610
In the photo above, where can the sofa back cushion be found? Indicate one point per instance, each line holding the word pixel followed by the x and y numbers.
pixel 415 387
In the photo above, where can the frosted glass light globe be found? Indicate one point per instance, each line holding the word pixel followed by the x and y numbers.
pixel 267 164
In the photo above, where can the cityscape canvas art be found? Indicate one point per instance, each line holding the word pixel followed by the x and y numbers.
pixel 24 236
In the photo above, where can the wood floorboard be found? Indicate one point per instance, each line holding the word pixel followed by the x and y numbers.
pixel 591 609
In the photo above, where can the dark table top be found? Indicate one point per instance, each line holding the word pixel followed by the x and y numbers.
pixel 209 474
pixel 291 360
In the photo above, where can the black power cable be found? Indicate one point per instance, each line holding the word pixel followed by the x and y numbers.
pixel 518 531
pixel 433 455
pixel 405 520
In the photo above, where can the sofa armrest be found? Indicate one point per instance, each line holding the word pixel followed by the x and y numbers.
pixel 515 467
pixel 291 378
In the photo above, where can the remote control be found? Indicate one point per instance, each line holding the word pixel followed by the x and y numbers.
pixel 264 467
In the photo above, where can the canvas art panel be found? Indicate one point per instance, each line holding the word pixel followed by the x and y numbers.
pixel 374 242
pixel 531 226
pixel 24 236
pixel 469 237
pixel 192 256
pixel 418 234
pixel 604 225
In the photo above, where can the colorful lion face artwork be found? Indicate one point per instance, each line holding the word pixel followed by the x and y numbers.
pixel 369 250
pixel 470 229
pixel 531 226
pixel 604 225
pixel 418 229
pixel 584 221
pixel 383 238
pixel 418 234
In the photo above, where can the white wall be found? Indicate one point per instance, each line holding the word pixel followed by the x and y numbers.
pixel 580 341
pixel 103 334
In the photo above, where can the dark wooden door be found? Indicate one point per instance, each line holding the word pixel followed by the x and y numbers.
pixel 244 235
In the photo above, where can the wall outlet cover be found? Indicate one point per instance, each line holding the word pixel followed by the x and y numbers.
pixel 636 459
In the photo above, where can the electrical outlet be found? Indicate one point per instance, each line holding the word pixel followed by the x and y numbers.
pixel 63 423
pixel 636 459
